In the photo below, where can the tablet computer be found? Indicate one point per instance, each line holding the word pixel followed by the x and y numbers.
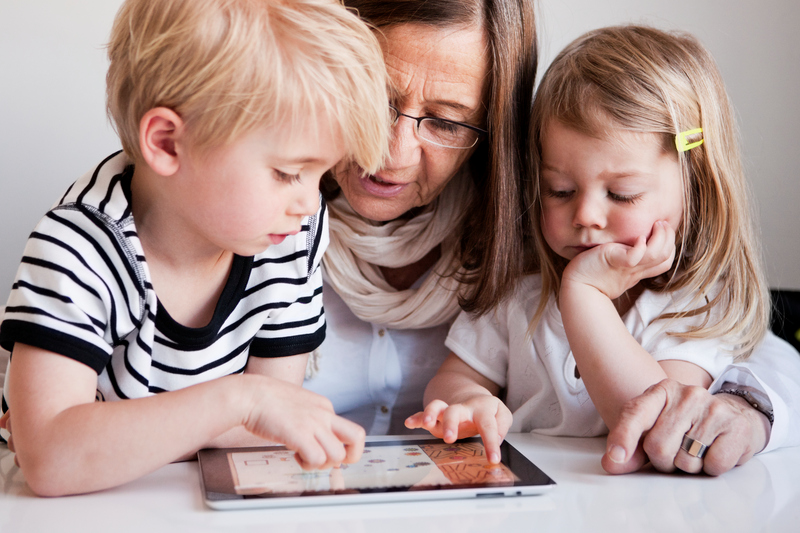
pixel 403 469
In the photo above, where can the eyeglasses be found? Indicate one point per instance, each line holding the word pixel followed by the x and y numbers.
pixel 442 132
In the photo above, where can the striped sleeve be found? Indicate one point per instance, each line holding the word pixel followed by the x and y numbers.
pixel 293 291
pixel 74 289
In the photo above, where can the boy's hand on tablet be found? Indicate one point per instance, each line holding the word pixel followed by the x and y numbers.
pixel 5 423
pixel 304 422
pixel 482 414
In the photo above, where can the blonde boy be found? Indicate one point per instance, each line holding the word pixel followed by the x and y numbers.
pixel 182 273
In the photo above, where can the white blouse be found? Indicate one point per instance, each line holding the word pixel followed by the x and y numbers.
pixel 375 376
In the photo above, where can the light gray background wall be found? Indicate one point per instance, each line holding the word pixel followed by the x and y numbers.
pixel 53 126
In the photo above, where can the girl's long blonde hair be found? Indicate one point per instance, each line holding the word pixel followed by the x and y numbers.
pixel 641 79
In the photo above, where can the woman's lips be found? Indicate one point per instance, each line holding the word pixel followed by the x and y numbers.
pixel 378 187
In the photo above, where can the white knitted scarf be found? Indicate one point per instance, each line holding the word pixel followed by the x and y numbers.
pixel 358 247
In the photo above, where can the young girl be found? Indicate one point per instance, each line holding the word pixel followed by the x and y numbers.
pixel 648 266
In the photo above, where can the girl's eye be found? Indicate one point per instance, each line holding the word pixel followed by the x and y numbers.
pixel 623 199
pixel 288 178
pixel 558 194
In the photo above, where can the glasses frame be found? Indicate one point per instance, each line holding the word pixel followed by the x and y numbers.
pixel 419 120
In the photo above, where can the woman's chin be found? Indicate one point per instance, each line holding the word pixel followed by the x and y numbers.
pixel 377 209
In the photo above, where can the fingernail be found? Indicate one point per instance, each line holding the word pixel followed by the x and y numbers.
pixel 616 453
pixel 449 434
pixel 494 457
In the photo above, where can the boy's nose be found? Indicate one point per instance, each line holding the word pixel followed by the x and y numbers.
pixel 404 146
pixel 307 202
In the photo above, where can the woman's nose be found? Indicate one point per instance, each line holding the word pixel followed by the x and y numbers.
pixel 405 148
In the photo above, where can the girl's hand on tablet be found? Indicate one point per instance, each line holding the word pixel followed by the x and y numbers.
pixel 481 414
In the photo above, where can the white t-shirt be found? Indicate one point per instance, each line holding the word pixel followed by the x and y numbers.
pixel 538 374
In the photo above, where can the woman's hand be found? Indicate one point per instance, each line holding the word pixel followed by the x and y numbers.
pixel 613 268
pixel 482 414
pixel 651 428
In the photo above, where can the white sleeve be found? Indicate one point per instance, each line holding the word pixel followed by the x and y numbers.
pixel 774 369
pixel 482 343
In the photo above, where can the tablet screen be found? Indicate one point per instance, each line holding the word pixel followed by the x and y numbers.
pixel 386 467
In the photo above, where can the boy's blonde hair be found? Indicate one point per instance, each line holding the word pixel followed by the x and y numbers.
pixel 641 79
pixel 230 66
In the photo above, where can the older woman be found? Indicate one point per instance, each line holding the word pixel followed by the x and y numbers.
pixel 441 226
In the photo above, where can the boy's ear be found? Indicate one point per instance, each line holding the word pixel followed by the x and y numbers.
pixel 161 131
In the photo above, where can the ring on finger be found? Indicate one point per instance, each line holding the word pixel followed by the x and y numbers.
pixel 693 447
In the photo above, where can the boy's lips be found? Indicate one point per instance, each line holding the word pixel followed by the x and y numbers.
pixel 380 187
pixel 277 238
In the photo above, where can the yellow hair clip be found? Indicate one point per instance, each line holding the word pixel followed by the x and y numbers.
pixel 680 140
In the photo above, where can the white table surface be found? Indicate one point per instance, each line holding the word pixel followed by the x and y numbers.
pixel 763 495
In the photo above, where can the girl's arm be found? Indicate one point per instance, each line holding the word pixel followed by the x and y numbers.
pixel 460 402
pixel 67 443
pixel 612 364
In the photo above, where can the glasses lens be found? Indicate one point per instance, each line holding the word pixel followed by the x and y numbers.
pixel 447 134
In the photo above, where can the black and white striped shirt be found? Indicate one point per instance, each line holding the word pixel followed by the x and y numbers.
pixel 83 290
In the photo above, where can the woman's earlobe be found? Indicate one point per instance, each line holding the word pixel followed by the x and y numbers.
pixel 159 132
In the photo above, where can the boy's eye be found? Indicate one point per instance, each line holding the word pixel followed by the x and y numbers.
pixel 625 199
pixel 288 178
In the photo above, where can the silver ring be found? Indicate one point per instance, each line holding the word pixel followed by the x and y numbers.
pixel 695 448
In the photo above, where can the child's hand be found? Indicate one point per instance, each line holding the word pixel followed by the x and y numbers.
pixel 5 423
pixel 614 268
pixel 482 414
pixel 305 422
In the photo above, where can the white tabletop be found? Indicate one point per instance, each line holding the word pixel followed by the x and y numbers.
pixel 762 495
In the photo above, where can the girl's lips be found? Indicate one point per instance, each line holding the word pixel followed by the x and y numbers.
pixel 583 248
pixel 376 187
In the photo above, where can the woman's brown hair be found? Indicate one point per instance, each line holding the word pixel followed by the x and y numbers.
pixel 491 237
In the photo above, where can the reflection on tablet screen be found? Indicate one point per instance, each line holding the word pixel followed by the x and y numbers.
pixel 423 465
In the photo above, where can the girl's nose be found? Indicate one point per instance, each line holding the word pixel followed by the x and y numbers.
pixel 588 213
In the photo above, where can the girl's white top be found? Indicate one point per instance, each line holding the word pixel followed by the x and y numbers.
pixel 538 373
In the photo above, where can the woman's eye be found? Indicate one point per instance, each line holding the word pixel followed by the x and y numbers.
pixel 288 178
pixel 624 199
pixel 444 126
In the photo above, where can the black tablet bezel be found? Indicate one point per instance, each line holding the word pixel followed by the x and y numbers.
pixel 218 485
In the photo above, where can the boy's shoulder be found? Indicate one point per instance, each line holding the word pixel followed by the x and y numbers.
pixel 104 190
